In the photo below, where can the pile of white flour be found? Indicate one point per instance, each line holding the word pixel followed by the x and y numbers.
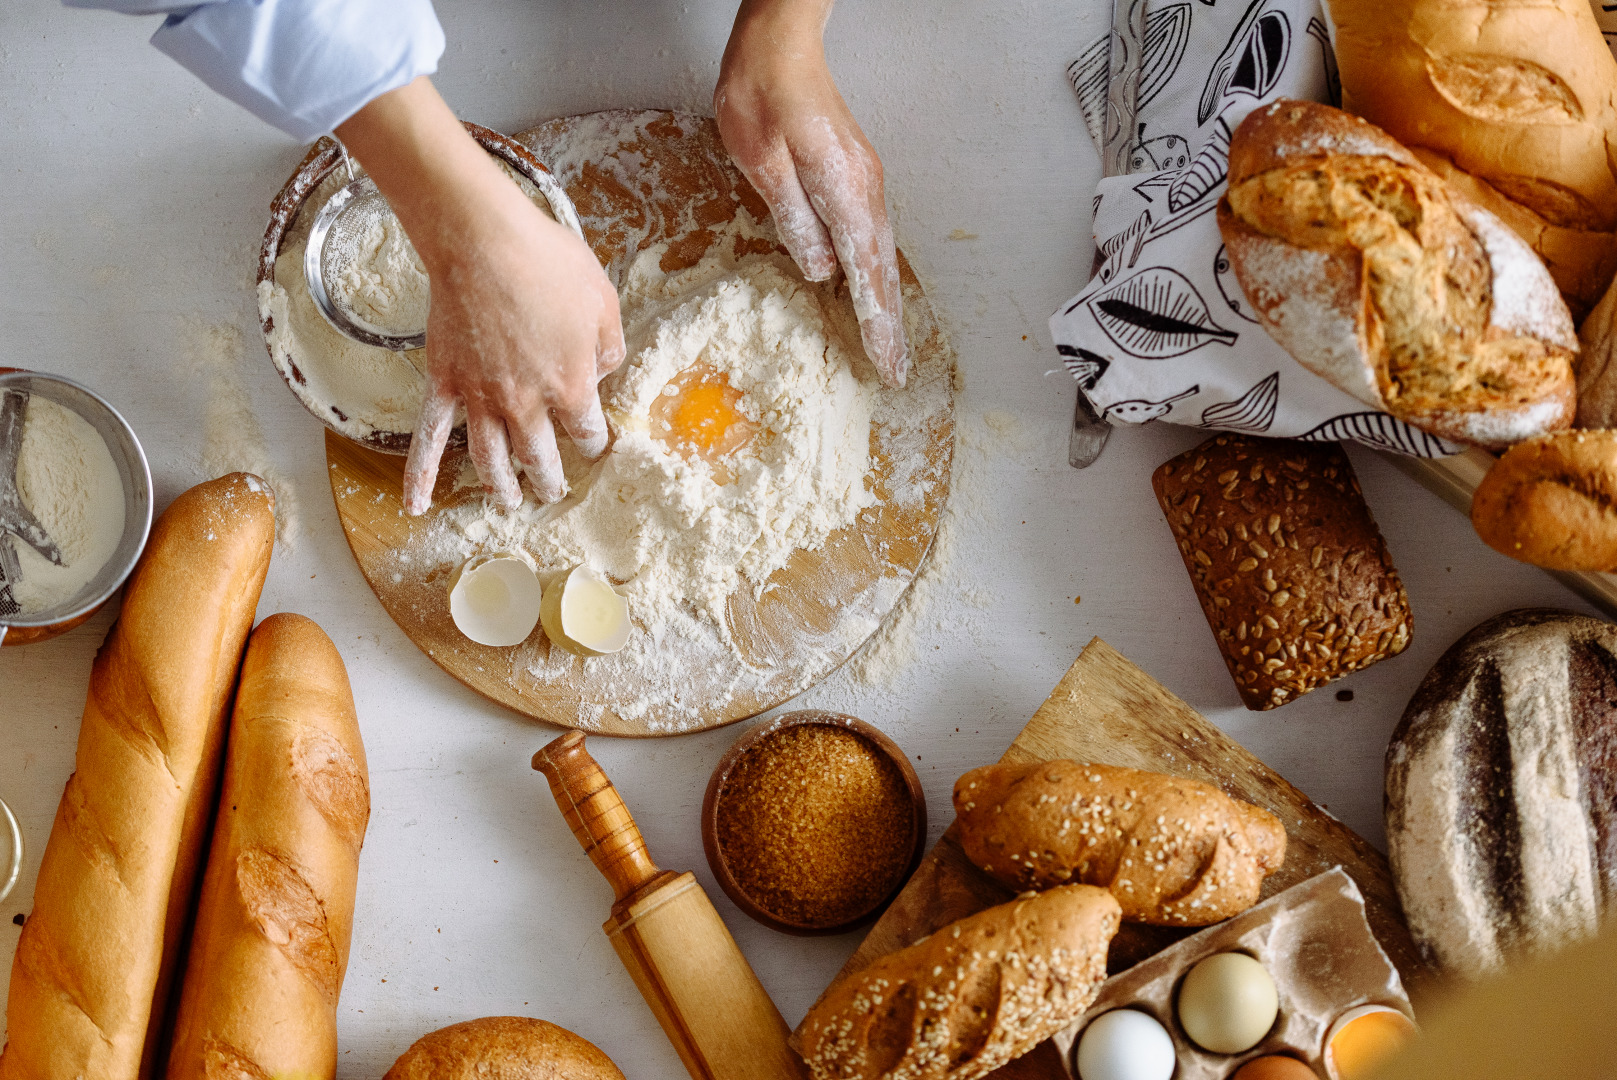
pixel 69 482
pixel 657 521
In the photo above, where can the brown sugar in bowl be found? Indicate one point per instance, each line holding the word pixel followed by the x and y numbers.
pixel 789 851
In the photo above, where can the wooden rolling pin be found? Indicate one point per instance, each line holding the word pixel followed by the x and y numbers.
pixel 667 933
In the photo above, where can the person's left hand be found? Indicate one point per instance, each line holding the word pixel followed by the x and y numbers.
pixel 792 136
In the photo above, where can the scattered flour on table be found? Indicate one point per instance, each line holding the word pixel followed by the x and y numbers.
pixel 69 482
pixel 232 439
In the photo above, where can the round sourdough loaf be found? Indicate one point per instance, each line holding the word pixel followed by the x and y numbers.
pixel 503 1048
pixel 1377 276
pixel 1501 796
pixel 1552 502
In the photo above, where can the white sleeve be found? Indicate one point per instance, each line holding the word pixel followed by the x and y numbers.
pixel 303 65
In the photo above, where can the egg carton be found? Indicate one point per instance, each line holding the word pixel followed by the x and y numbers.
pixel 1315 943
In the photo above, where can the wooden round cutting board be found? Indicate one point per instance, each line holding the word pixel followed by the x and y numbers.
pixel 639 179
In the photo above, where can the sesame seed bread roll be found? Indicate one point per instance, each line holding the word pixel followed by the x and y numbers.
pixel 1174 852
pixel 97 957
pixel 503 1048
pixel 1389 284
pixel 976 994
pixel 275 920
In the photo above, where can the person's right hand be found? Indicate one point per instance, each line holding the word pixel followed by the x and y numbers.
pixel 523 322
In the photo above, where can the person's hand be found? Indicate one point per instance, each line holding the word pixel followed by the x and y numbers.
pixel 523 322
pixel 792 135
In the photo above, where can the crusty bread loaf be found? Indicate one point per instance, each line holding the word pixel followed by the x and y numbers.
pixel 1581 262
pixel 1597 364
pixel 1552 502
pixel 1521 94
pixel 1292 573
pixel 1174 852
pixel 503 1048
pixel 1379 277
pixel 1502 791
pixel 275 919
pixel 974 995
pixel 97 957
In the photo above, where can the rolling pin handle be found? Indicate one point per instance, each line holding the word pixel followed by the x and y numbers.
pixel 595 812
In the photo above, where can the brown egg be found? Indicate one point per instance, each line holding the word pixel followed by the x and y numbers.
pixel 1274 1067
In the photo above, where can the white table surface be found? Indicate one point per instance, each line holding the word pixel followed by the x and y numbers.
pixel 131 206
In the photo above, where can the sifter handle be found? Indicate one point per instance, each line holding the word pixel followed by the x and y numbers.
pixel 595 812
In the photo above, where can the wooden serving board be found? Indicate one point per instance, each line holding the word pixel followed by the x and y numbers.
pixel 1108 711
pixel 640 179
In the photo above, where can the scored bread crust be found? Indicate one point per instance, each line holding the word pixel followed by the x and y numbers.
pixel 976 994
pixel 1315 294
pixel 274 923
pixel 503 1048
pixel 1552 502
pixel 97 956
pixel 1174 852
pixel 1521 94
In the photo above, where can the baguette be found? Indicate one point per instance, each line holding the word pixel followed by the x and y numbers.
pixel 275 919
pixel 976 994
pixel 1380 278
pixel 1174 852
pixel 1521 95
pixel 96 959
pixel 503 1048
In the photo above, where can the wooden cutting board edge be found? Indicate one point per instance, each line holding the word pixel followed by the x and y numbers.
pixel 1107 710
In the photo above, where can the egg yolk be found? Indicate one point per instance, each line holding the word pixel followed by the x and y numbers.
pixel 697 413
pixel 1365 1043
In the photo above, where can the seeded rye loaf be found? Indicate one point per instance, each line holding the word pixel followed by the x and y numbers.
pixel 974 995
pixel 1501 798
pixel 1291 571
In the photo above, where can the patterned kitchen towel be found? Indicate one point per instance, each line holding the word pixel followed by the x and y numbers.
pixel 1162 330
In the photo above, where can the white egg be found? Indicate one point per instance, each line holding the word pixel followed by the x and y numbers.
pixel 1125 1044
pixel 495 600
pixel 1228 1003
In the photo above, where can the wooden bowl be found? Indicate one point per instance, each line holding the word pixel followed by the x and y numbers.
pixel 710 816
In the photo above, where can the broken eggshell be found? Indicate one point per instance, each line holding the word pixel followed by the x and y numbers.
pixel 495 599
pixel 584 614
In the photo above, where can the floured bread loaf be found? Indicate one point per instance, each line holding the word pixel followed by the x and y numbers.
pixel 1377 276
pixel 1502 791
pixel 1173 852
pixel 98 956
pixel 976 994
pixel 1521 94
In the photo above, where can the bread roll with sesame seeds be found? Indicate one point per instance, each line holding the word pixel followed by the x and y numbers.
pixel 1174 852
pixel 975 995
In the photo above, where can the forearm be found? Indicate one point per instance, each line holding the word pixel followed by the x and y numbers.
pixel 787 29
pixel 433 173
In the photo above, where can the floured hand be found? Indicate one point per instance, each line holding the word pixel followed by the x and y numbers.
pixel 523 322
pixel 787 127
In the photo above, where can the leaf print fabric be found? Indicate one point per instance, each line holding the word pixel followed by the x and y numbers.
pixel 1162 330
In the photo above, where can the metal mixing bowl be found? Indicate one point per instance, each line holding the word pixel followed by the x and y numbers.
pixel 137 486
